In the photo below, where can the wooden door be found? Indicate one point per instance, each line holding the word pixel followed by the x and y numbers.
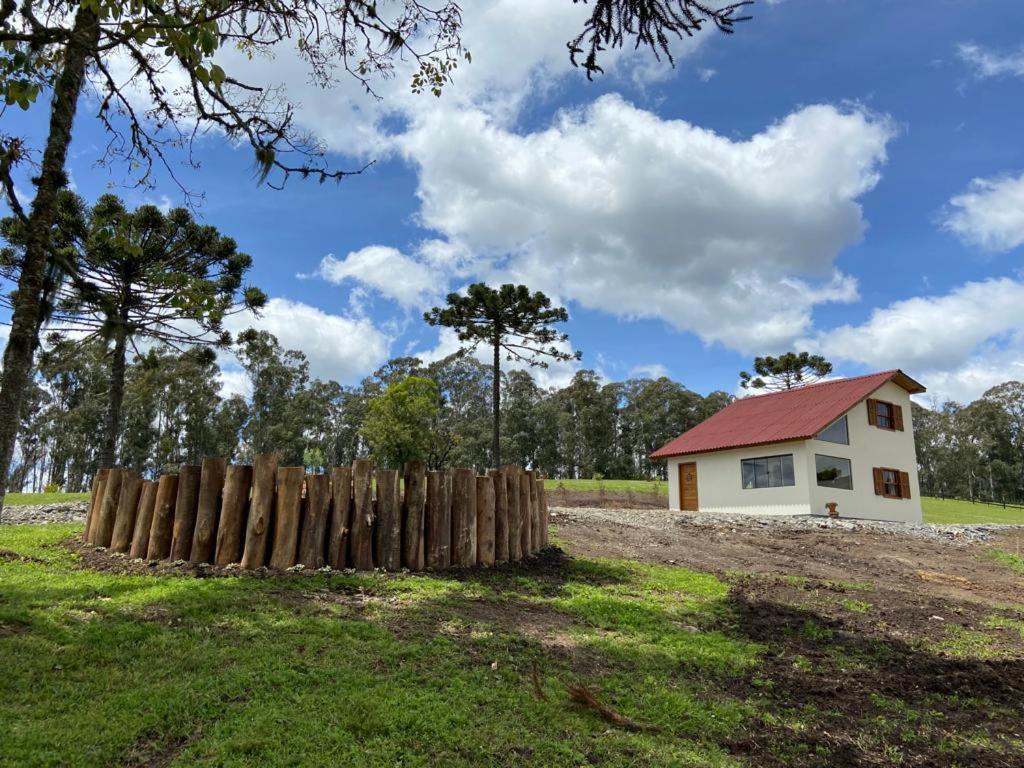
pixel 688 487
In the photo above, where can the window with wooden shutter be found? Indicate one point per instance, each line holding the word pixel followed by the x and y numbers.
pixel 872 412
pixel 884 415
pixel 879 483
pixel 897 418
pixel 904 485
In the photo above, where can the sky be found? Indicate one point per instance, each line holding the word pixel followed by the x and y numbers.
pixel 840 176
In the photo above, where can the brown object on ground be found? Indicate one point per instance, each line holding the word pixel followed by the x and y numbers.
pixel 543 500
pixel 538 691
pixel 515 521
pixel 287 517
pixel 463 517
pixel 388 550
pixel 586 697
pixel 99 484
pixel 233 513
pixel 363 517
pixel 525 515
pixel 211 486
pixel 163 518
pixel 413 510
pixel 601 499
pixel 261 511
pixel 535 543
pixel 484 521
pixel 107 514
pixel 438 522
pixel 500 516
pixel 144 520
pixel 185 510
pixel 341 518
pixel 127 508
pixel 312 540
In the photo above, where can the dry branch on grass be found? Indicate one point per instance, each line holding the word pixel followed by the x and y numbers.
pixel 585 696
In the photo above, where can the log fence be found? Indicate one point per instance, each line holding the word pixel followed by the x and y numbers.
pixel 352 517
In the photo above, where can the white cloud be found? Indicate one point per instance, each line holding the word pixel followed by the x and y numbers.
pixel 620 210
pixel 649 371
pixel 990 214
pixel 957 344
pixel 387 271
pixel 987 63
pixel 339 348
pixel 705 74
pixel 233 381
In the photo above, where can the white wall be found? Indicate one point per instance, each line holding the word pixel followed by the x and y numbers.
pixel 871 447
pixel 720 489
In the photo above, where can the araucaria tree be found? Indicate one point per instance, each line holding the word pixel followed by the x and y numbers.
pixel 787 371
pixel 511 320
pixel 138 275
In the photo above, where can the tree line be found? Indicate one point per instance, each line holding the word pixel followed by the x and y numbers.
pixel 174 412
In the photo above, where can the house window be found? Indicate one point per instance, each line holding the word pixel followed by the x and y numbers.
pixel 768 472
pixel 883 415
pixel 833 472
pixel 891 483
pixel 836 432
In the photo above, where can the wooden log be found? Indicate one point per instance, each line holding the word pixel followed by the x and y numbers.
pixel 185 509
pixel 463 517
pixel 313 540
pixel 388 550
pixel 287 517
pixel 163 518
pixel 211 488
pixel 100 486
pixel 535 544
pixel 437 523
pixel 542 495
pixel 362 515
pixel 525 514
pixel 515 547
pixel 485 521
pixel 500 515
pixel 414 505
pixel 144 520
pixel 341 518
pixel 104 528
pixel 233 513
pixel 261 511
pixel 127 508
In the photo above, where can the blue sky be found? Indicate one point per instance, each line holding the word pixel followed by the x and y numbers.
pixel 845 176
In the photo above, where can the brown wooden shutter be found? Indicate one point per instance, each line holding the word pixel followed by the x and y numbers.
pixel 872 412
pixel 897 417
pixel 879 481
pixel 904 485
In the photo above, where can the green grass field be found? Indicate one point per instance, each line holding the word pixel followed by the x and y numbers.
pixel 21 499
pixel 948 511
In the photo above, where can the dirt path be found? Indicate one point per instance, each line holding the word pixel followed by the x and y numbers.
pixel 961 571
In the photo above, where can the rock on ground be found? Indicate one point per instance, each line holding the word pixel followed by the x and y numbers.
pixel 65 512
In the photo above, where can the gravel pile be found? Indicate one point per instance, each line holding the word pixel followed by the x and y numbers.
pixel 67 512
pixel 666 520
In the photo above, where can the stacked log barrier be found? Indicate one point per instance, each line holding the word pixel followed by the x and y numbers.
pixel 438 522
pixel 341 518
pixel 388 551
pixel 186 507
pixel 358 517
pixel 211 486
pixel 233 514
pixel 143 520
pixel 127 506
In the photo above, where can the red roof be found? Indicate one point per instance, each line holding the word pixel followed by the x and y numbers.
pixel 794 414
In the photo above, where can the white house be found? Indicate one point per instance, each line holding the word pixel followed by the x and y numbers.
pixel 848 441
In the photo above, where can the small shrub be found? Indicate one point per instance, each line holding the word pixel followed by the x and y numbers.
pixel 51 488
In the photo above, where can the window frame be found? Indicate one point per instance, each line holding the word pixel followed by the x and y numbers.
pixel 889 415
pixel 895 483
pixel 784 484
pixel 849 463
pixel 846 423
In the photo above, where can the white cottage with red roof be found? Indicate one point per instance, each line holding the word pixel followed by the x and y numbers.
pixel 849 442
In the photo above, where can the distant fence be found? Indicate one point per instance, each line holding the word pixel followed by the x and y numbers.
pixel 353 517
